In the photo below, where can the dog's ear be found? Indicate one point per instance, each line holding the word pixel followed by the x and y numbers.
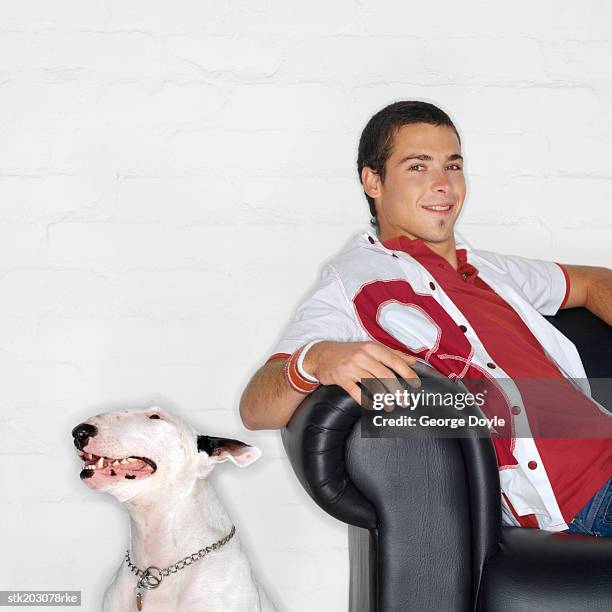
pixel 225 449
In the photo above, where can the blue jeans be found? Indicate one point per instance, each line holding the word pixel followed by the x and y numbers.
pixel 595 519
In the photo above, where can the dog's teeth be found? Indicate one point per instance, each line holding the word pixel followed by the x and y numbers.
pixel 100 463
pixel 130 459
pixel 124 461
pixel 116 462
pixel 88 455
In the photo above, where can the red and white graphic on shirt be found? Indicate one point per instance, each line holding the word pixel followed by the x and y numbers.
pixel 395 315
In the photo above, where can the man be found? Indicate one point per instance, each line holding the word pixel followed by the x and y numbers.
pixel 409 291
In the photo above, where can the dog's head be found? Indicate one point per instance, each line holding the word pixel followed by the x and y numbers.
pixel 132 452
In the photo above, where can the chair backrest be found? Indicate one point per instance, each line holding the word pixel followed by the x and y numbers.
pixel 592 337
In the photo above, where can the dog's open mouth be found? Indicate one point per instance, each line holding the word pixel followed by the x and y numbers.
pixel 131 467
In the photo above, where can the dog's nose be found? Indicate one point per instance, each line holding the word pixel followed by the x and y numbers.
pixel 81 434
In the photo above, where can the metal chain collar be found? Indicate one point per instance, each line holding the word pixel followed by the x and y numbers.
pixel 151 577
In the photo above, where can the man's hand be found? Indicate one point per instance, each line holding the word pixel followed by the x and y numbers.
pixel 346 363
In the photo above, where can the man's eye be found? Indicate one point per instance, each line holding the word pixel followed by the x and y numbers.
pixel 452 166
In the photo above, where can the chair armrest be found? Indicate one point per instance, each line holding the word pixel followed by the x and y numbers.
pixel 315 440
pixel 434 502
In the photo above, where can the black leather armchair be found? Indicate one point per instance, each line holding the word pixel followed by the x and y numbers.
pixel 424 514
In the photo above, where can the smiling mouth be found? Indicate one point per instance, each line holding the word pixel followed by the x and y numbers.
pixel 439 208
pixel 131 467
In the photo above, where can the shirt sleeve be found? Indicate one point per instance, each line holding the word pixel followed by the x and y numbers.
pixel 325 314
pixel 545 284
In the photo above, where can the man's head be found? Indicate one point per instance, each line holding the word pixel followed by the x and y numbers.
pixel 409 161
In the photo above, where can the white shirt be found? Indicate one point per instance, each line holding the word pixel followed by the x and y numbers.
pixel 532 287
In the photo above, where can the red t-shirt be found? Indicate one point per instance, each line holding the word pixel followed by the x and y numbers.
pixel 576 467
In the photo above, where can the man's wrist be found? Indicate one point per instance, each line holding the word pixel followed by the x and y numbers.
pixel 310 363
pixel 300 363
pixel 295 377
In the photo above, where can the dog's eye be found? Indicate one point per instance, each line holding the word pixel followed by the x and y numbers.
pixel 155 416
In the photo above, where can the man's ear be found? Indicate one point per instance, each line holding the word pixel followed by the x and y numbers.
pixel 225 449
pixel 370 181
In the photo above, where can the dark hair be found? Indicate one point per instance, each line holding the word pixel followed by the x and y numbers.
pixel 376 140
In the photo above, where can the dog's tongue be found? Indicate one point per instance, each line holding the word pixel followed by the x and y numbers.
pixel 136 468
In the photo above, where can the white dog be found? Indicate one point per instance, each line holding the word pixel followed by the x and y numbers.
pixel 157 465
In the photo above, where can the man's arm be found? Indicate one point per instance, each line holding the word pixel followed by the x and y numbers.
pixel 269 401
pixel 591 287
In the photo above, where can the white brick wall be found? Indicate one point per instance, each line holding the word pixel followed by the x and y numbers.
pixel 171 177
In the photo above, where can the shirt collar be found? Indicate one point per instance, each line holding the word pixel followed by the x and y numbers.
pixel 416 247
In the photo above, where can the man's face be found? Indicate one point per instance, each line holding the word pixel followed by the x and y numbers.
pixel 424 185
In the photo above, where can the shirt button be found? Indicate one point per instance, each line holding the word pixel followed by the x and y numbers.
pixel 463 328
pixel 515 410
pixel 371 239
pixel 532 465
pixel 491 365
pixel 432 286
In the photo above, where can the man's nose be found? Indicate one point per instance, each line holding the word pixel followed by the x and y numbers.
pixel 441 182
pixel 81 434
